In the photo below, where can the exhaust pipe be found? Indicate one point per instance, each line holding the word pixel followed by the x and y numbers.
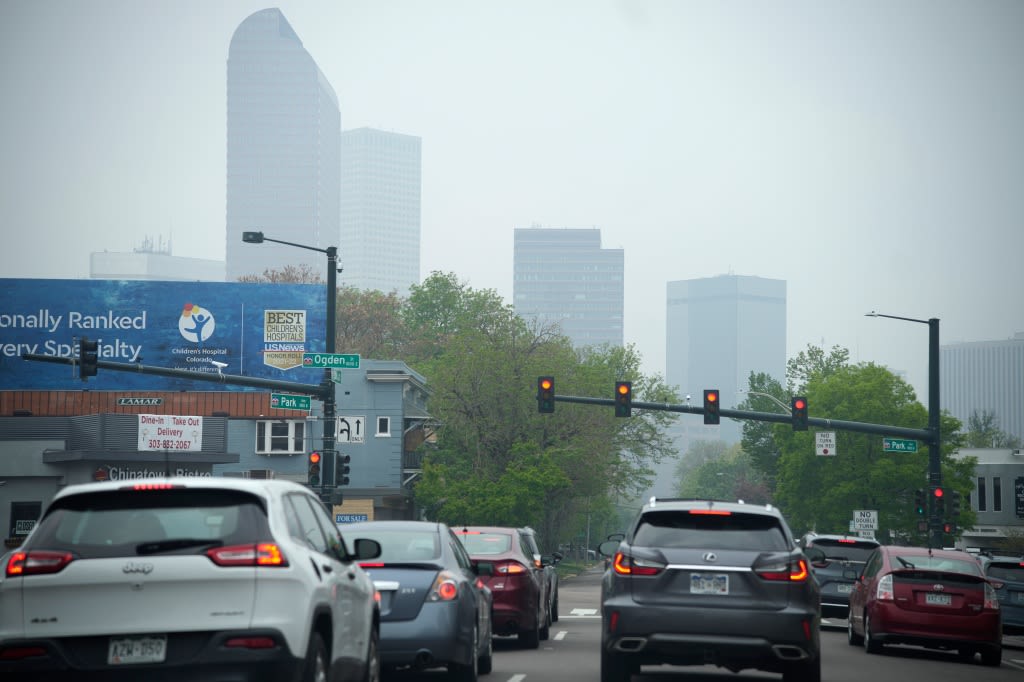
pixel 788 652
pixel 631 644
pixel 424 659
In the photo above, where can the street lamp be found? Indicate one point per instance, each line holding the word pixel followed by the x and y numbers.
pixel 327 386
pixel 934 455
pixel 784 406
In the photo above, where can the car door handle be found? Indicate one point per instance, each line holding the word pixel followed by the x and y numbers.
pixel 327 568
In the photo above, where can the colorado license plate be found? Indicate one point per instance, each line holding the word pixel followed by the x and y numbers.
pixel 937 599
pixel 130 650
pixel 709 583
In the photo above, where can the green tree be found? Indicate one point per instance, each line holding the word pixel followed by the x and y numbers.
pixel 983 432
pixel 370 323
pixel 758 437
pixel 289 274
pixel 713 471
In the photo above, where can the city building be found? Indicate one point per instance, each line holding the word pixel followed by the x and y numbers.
pixel 985 376
pixel 283 150
pixel 153 261
pixel 380 210
pixel 997 498
pixel 563 276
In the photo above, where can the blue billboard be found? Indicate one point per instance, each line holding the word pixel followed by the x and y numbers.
pixel 257 330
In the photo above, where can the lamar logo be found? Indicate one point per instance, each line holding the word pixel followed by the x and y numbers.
pixel 129 402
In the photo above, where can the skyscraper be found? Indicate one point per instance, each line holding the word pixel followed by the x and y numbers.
pixel 380 210
pixel 284 149
pixel 564 276
pixel 985 376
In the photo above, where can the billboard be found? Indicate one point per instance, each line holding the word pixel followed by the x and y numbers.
pixel 257 330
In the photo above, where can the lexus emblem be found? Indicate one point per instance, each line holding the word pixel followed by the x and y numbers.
pixel 132 567
pixel 710 557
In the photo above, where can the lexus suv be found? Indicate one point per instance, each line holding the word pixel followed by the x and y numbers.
pixel 697 582
pixel 188 579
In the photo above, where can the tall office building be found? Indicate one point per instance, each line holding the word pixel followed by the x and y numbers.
pixel 380 210
pixel 718 331
pixel 984 376
pixel 284 150
pixel 564 276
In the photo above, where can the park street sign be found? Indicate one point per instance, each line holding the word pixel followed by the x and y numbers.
pixel 899 445
pixel 283 401
pixel 331 360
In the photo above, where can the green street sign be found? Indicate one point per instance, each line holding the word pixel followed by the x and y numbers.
pixel 283 401
pixel 899 445
pixel 331 360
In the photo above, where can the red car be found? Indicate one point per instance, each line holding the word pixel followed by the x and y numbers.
pixel 939 599
pixel 518 584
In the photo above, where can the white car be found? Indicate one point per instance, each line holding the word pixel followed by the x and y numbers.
pixel 188 579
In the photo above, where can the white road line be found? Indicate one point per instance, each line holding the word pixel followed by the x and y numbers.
pixel 560 636
pixel 517 678
pixel 583 612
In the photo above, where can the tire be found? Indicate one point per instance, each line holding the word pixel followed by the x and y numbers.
pixel 616 667
pixel 870 644
pixel 373 670
pixel 316 668
pixel 803 671
pixel 992 656
pixel 852 638
pixel 485 663
pixel 467 672
pixel 530 639
pixel 545 630
pixel 554 608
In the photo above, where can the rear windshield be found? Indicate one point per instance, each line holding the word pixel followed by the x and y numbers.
pixel 130 523
pixel 841 550
pixel 483 544
pixel 397 546
pixel 1013 572
pixel 935 563
pixel 681 529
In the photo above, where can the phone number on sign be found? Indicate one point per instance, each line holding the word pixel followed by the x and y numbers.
pixel 169 444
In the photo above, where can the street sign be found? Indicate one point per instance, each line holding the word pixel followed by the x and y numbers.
pixel 350 429
pixel 865 519
pixel 899 445
pixel 331 360
pixel 826 443
pixel 283 401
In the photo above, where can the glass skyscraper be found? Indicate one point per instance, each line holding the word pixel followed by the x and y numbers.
pixel 985 376
pixel 283 150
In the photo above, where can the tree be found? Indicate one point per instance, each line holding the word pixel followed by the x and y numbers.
pixel 983 432
pixel 710 470
pixel 290 274
pixel 370 323
pixel 812 363
pixel 758 440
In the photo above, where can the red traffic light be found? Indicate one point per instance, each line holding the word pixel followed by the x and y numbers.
pixel 938 492
pixel 622 388
pixel 799 403
pixel 711 396
pixel 546 384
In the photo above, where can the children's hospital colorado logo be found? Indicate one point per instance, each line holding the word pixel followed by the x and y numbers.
pixel 196 323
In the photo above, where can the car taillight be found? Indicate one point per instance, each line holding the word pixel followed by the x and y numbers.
pixel 258 554
pixel 509 568
pixel 37 562
pixel 791 571
pixel 991 600
pixel 445 588
pixel 884 590
pixel 624 564
pixel 250 643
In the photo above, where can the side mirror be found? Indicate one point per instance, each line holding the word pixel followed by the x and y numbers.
pixel 608 548
pixel 815 555
pixel 367 549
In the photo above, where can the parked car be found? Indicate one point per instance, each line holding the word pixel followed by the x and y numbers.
pixel 933 598
pixel 435 610
pixel 548 562
pixel 836 568
pixel 188 579
pixel 1006 574
pixel 518 584
pixel 700 581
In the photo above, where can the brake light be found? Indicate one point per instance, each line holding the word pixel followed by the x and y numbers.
pixel 627 565
pixel 150 486
pixel 37 562
pixel 884 590
pixel 372 564
pixel 251 643
pixel 258 554
pixel 791 571
pixel 510 568
pixel 845 541
pixel 17 653
pixel 445 588
pixel 711 512
pixel 991 600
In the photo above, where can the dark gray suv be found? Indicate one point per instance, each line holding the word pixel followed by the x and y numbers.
pixel 698 582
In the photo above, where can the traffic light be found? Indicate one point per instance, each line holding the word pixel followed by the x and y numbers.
pixel 799 416
pixel 711 406
pixel 954 503
pixel 88 354
pixel 623 398
pixel 314 468
pixel 920 508
pixel 341 468
pixel 940 501
pixel 949 528
pixel 546 394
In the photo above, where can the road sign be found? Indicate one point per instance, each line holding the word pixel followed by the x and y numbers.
pixel 350 429
pixel 865 519
pixel 331 360
pixel 826 443
pixel 283 401
pixel 899 445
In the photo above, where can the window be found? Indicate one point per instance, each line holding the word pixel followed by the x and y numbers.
pixel 981 493
pixel 997 494
pixel 383 426
pixel 280 437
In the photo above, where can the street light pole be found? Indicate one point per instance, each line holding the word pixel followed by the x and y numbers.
pixel 784 406
pixel 934 440
pixel 326 384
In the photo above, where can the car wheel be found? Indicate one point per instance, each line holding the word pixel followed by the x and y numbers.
pixel 486 660
pixel 803 671
pixel 870 645
pixel 459 672
pixel 315 669
pixel 373 670
pixel 992 655
pixel 554 609
pixel 616 667
pixel 530 639
pixel 545 630
pixel 852 638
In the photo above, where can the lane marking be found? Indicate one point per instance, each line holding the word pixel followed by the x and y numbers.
pixel 583 612
pixel 560 636
pixel 517 678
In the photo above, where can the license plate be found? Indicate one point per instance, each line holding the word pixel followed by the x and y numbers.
pixel 937 599
pixel 843 588
pixel 709 583
pixel 131 650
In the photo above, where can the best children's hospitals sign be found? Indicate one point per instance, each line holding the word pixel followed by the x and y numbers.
pixel 258 330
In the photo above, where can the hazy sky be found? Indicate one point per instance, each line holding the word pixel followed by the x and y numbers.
pixel 870 153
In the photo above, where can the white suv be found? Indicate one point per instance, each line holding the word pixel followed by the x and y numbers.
pixel 188 579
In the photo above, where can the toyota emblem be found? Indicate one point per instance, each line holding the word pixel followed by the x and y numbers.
pixel 710 557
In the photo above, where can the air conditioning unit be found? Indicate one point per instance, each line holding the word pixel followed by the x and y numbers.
pixel 261 473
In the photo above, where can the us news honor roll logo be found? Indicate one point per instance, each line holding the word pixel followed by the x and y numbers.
pixel 196 323
pixel 284 338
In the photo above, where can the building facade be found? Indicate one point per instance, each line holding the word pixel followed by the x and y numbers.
pixel 997 497
pixel 563 276
pixel 985 376
pixel 153 261
pixel 283 150
pixel 380 210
